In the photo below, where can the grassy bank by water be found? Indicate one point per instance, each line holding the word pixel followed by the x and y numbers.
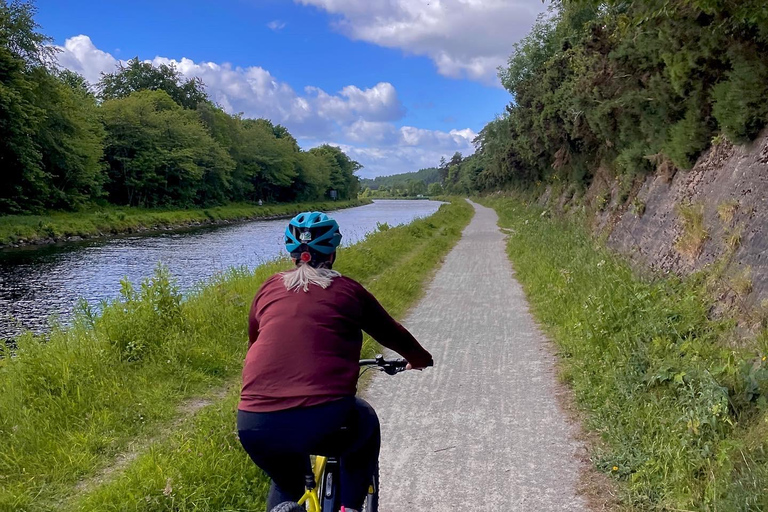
pixel 72 406
pixel 30 229
pixel 680 405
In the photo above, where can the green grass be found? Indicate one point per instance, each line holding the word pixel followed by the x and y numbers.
pixel 71 403
pixel 682 414
pixel 17 229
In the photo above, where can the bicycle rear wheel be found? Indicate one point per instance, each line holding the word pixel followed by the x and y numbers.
pixel 289 506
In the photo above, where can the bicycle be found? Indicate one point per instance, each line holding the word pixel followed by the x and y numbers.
pixel 325 497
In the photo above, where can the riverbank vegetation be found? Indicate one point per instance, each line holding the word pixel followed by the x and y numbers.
pixel 624 89
pixel 424 182
pixel 145 136
pixel 106 221
pixel 680 403
pixel 156 375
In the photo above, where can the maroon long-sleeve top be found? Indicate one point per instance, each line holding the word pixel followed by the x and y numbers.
pixel 305 346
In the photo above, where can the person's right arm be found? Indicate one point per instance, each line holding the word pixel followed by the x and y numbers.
pixel 390 333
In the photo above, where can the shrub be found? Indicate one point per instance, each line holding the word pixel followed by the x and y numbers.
pixel 139 321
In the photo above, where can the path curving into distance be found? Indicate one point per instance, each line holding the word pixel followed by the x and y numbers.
pixel 482 430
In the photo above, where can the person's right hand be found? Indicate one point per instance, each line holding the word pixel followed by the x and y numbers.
pixel 409 366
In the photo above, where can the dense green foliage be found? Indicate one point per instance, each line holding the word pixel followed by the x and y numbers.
pixel 149 138
pixel 682 411
pixel 423 181
pixel 624 86
pixel 143 76
pixel 74 399
pixel 25 229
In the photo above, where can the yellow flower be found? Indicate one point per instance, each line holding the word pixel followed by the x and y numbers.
pixel 764 358
pixel 615 468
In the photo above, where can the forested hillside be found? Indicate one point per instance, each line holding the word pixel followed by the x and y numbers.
pixel 626 87
pixel 146 136
pixel 428 176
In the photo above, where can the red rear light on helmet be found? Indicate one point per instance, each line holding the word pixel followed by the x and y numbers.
pixel 306 257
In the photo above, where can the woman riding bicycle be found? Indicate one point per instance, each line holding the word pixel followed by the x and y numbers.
pixel 300 374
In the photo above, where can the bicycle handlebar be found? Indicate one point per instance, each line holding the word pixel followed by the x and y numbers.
pixel 389 366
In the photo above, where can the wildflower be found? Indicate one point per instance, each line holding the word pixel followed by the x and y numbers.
pixel 764 358
pixel 615 468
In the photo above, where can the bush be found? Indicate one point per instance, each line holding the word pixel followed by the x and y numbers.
pixel 739 102
pixel 688 138
pixel 139 321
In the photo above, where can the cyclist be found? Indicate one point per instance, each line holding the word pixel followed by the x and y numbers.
pixel 300 373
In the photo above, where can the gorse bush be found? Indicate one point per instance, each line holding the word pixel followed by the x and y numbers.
pixel 682 412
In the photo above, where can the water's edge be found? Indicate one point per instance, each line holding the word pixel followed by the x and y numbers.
pixel 173 226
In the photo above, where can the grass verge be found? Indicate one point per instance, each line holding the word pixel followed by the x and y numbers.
pixel 683 414
pixel 70 404
pixel 30 229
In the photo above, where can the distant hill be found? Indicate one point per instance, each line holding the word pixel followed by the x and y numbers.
pixel 430 175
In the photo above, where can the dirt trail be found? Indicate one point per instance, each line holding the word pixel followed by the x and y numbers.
pixel 482 430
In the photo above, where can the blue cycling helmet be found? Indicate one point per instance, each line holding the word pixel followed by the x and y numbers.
pixel 312 232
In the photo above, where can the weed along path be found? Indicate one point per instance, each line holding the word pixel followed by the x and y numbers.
pixel 482 430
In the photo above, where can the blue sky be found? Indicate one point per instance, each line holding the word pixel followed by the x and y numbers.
pixel 395 83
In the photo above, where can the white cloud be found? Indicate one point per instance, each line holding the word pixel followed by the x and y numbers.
pixel 358 119
pixel 464 38
pixel 276 25
pixel 384 149
pixel 385 160
pixel 80 55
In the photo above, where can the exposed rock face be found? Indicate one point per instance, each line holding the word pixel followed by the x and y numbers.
pixel 715 212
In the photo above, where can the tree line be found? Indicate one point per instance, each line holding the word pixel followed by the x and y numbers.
pixel 410 184
pixel 629 88
pixel 146 136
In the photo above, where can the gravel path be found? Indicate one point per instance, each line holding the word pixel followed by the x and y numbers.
pixel 482 430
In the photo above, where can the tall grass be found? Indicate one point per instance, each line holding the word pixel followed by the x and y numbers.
pixel 70 403
pixel 683 414
pixel 113 220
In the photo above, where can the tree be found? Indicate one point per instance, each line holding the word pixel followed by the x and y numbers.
pixel 160 154
pixel 50 138
pixel 342 170
pixel 435 189
pixel 140 76
pixel 70 138
pixel 416 188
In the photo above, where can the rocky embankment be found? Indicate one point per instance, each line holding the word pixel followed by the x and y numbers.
pixel 714 215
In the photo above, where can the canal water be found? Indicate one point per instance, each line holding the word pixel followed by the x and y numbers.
pixel 38 284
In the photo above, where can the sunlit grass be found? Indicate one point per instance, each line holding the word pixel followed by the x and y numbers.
pixel 71 403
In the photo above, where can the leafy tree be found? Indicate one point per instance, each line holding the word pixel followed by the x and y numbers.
pixel 416 188
pixel 342 170
pixel 70 138
pixel 20 51
pixel 140 76
pixel 50 138
pixel 435 189
pixel 160 154
pixel 154 139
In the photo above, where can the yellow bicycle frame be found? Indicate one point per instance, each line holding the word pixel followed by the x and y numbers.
pixel 311 496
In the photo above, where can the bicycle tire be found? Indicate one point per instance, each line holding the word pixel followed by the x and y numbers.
pixel 289 506
pixel 371 503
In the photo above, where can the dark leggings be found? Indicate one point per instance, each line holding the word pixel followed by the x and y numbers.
pixel 281 442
